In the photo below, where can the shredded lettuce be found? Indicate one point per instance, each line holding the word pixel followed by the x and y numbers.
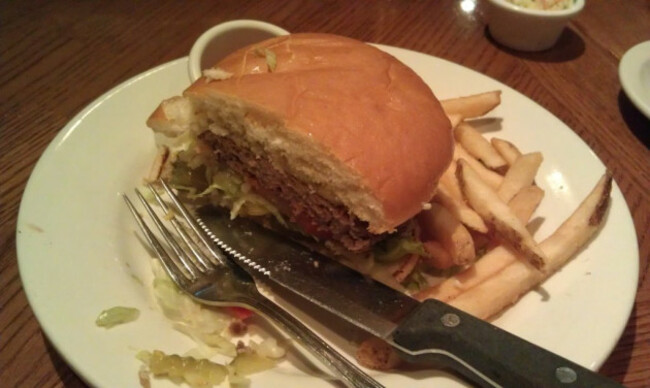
pixel 225 183
pixel 117 316
pixel 191 179
pixel 228 182
pixel 268 348
pixel 195 172
pixel 182 142
pixel 416 281
pixel 396 247
pixel 254 205
pixel 216 342
pixel 203 324
pixel 208 327
pixel 248 363
pixel 225 188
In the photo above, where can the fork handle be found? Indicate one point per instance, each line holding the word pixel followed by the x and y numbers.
pixel 349 373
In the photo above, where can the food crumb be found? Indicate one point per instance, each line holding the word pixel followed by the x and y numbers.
pixel 543 293
pixel 238 328
pixel 375 353
pixel 116 316
pixel 241 346
pixel 216 74
pixel 144 377
pixel 35 228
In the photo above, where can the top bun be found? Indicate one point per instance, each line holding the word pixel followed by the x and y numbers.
pixel 354 123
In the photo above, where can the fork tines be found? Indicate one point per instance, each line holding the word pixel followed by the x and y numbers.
pixel 188 253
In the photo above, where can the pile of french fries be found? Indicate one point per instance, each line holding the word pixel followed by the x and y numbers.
pixel 478 221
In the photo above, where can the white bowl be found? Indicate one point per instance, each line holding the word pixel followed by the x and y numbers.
pixel 527 29
pixel 224 38
pixel 634 73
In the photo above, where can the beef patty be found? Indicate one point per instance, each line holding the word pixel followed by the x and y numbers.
pixel 295 200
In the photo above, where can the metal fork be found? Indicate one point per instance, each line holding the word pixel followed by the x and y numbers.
pixel 203 271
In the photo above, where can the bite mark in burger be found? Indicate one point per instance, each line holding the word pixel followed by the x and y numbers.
pixel 337 141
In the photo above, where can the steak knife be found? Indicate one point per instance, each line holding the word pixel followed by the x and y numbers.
pixel 430 332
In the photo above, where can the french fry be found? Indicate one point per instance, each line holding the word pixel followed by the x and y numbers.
pixel 490 177
pixel 491 263
pixel 438 257
pixel 479 147
pixel 450 182
pixel 460 210
pixel 455 119
pixel 520 174
pixel 580 226
pixel 437 223
pixel 508 285
pixel 450 196
pixel 508 151
pixel 522 205
pixel 472 106
pixel 485 201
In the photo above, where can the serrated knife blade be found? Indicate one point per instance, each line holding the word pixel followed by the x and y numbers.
pixel 430 332
pixel 375 308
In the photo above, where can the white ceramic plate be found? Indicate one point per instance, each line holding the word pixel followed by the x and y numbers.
pixel 634 74
pixel 78 253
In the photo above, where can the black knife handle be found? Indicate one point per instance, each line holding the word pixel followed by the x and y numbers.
pixel 439 334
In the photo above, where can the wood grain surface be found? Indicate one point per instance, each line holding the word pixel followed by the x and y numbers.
pixel 59 55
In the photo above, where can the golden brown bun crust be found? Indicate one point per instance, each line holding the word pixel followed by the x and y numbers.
pixel 362 105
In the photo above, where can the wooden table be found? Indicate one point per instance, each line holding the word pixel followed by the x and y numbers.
pixel 58 56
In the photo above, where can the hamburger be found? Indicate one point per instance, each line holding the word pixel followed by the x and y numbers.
pixel 332 140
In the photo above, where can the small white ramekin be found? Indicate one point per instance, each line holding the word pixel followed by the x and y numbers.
pixel 224 38
pixel 527 29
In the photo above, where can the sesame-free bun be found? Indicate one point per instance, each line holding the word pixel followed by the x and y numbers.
pixel 353 122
